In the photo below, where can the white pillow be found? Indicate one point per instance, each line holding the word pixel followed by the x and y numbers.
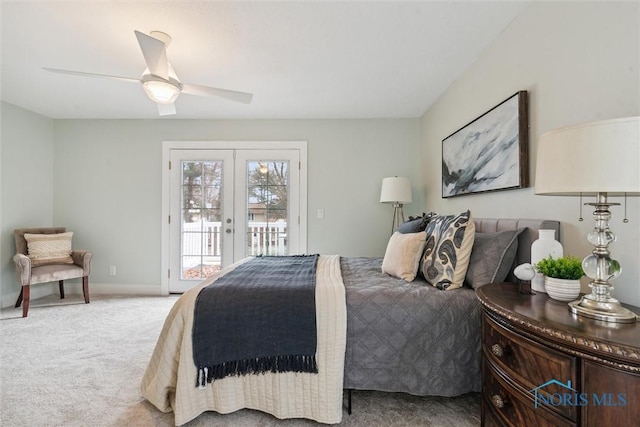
pixel 403 254
pixel 44 249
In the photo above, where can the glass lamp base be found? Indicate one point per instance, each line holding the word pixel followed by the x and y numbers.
pixel 600 267
pixel 608 310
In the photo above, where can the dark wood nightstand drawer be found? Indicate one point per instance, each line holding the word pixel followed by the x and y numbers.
pixel 529 340
pixel 529 365
pixel 504 405
pixel 618 391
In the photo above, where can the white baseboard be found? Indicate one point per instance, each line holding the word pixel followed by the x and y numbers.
pixel 113 289
pixel 75 288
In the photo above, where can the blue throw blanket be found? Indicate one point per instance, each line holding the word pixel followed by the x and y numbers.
pixel 260 317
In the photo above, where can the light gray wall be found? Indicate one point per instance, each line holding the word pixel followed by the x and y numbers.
pixel 579 61
pixel 108 183
pixel 26 185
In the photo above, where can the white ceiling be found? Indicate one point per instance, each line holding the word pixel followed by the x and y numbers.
pixel 299 59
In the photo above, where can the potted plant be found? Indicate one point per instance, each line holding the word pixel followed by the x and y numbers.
pixel 561 276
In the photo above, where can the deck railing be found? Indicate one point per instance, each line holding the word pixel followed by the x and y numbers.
pixel 263 238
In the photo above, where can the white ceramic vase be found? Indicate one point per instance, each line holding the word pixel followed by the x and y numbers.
pixel 545 246
pixel 562 289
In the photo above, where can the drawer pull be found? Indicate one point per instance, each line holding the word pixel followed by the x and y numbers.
pixel 497 401
pixel 497 350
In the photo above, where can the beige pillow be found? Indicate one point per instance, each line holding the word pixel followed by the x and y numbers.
pixel 403 254
pixel 448 250
pixel 46 249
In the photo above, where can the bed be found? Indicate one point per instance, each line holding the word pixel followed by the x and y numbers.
pixel 374 332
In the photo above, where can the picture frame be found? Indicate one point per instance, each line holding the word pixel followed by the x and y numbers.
pixel 489 153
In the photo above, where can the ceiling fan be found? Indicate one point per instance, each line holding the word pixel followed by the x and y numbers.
pixel 159 81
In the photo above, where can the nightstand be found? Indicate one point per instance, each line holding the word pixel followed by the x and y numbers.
pixel 544 366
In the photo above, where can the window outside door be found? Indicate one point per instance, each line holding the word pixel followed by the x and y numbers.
pixel 268 200
pixel 226 205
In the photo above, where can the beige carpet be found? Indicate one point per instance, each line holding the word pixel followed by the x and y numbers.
pixel 76 364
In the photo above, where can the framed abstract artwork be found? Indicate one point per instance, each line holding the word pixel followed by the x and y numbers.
pixel 490 153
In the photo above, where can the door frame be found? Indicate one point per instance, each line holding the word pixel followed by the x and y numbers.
pixel 167 146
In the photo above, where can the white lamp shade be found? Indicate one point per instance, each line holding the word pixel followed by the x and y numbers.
pixel 395 189
pixel 602 156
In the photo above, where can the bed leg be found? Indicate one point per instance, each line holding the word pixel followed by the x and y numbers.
pixel 349 401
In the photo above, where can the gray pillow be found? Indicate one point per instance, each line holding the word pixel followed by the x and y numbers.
pixel 491 257
pixel 417 224
pixel 412 226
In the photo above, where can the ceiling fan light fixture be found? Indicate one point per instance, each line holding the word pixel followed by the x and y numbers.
pixel 161 91
pixel 159 80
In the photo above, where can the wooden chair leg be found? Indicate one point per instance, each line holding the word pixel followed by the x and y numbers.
pixel 19 301
pixel 85 288
pixel 25 302
pixel 61 286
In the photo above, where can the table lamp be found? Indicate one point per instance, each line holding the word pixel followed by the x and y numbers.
pixel 396 190
pixel 599 159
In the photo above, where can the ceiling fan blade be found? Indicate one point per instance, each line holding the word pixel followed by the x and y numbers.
pixel 166 109
pixel 82 73
pixel 155 54
pixel 233 95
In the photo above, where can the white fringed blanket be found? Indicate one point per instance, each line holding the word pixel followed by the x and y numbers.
pixel 169 381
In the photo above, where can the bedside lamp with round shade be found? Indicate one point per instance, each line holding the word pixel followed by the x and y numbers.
pixel 396 190
pixel 599 159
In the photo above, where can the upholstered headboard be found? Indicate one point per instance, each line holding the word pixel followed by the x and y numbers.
pixel 490 225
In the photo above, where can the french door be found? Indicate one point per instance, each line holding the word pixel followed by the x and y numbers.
pixel 227 204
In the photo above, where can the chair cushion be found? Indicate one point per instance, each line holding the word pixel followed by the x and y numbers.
pixel 44 249
pixel 55 272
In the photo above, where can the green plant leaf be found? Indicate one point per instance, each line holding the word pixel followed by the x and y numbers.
pixel 568 267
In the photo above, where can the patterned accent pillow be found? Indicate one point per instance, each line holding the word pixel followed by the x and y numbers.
pixel 492 257
pixel 44 249
pixel 448 249
pixel 402 257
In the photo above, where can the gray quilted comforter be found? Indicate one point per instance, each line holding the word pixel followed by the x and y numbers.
pixel 408 336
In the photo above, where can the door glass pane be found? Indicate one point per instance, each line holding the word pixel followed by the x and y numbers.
pixel 267 207
pixel 200 223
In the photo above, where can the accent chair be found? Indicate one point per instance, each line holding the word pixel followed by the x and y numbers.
pixel 32 271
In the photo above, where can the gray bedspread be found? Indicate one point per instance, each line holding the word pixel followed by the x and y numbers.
pixel 409 336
